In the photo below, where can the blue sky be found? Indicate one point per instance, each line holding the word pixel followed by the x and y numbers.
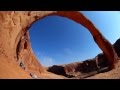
pixel 58 40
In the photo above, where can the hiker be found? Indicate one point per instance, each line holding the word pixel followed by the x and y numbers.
pixel 22 65
pixel 33 76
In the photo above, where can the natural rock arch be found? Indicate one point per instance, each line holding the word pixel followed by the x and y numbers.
pixel 100 40
pixel 15 38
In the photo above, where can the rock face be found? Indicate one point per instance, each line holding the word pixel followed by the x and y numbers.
pixel 117 47
pixel 15 45
pixel 26 57
pixel 57 70
pixel 83 69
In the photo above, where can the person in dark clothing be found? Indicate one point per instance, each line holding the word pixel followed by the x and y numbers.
pixel 22 65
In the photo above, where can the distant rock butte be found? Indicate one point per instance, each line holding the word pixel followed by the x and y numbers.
pixel 83 69
pixel 16 55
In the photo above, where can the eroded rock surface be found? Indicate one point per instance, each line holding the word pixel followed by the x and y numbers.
pixel 15 45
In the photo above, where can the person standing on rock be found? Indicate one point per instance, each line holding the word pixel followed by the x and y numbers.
pixel 22 65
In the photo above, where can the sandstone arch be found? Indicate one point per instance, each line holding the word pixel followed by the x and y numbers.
pixel 14 35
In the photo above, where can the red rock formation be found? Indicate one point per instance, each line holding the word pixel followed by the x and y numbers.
pixel 101 41
pixel 117 47
pixel 13 35
pixel 83 69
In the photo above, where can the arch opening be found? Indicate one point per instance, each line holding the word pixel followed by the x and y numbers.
pixel 55 35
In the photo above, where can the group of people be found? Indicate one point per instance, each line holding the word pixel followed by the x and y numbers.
pixel 23 66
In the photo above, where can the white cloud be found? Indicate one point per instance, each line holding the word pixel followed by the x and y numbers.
pixel 67 51
pixel 38 53
pixel 47 61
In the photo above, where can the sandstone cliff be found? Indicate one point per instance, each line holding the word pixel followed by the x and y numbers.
pixel 16 56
